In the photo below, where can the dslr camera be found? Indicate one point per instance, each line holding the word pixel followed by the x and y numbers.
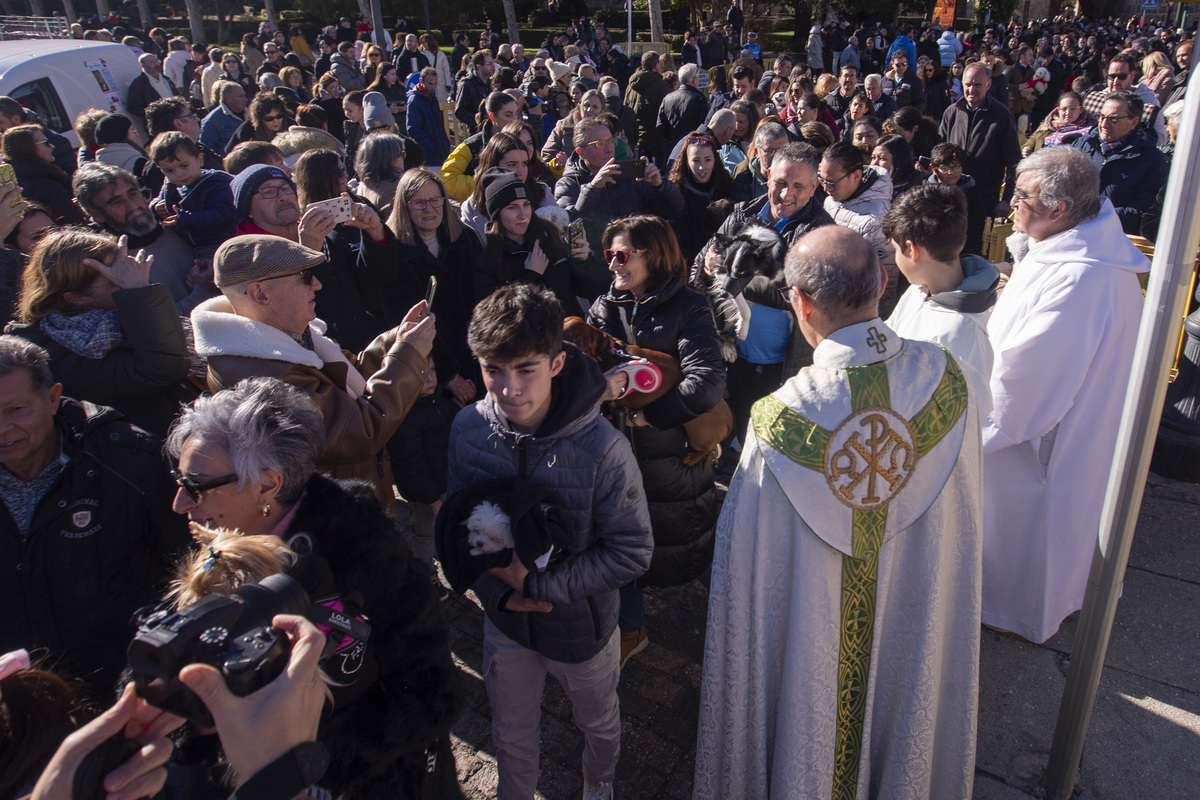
pixel 230 632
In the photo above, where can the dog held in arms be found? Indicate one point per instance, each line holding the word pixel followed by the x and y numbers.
pixel 704 433
pixel 755 250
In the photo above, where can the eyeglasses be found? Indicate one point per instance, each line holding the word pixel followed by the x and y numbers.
pixel 194 489
pixel 421 205
pixel 699 138
pixel 189 115
pixel 272 192
pixel 306 276
pixel 1115 76
pixel 272 118
pixel 768 151
pixel 622 256
pixel 602 144
pixel 1113 119
pixel 1021 197
pixel 828 184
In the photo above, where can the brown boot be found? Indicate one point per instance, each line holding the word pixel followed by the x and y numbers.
pixel 632 643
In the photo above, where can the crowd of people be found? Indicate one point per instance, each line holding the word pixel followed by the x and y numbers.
pixel 285 318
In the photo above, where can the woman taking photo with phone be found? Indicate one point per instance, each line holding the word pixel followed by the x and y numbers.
pixel 432 243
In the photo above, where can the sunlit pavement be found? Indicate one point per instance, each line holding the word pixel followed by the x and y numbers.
pixel 1144 738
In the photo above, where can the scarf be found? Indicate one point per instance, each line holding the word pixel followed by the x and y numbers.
pixel 91 334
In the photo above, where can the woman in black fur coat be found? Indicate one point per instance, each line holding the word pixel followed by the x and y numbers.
pixel 246 461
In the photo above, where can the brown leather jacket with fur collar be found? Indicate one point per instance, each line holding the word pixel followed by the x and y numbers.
pixel 357 428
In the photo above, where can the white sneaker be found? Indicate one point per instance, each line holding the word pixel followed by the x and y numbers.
pixel 598 791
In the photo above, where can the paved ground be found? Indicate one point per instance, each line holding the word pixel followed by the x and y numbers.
pixel 1144 738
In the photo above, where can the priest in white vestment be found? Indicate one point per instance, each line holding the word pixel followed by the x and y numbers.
pixel 1063 333
pixel 842 654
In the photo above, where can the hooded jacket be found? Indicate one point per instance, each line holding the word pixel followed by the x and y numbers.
pixel 356 427
pixel 99 546
pixel 423 122
pixel 645 94
pixel 580 457
pixel 675 320
pixel 863 212
pixel 949 47
pixel 205 212
pixel 348 74
pixel 458 170
pixel 957 320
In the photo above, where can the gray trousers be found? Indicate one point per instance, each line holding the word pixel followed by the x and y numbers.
pixel 515 677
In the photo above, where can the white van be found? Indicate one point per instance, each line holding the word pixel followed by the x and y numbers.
pixel 61 78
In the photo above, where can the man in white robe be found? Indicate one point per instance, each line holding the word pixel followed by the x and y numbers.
pixel 842 654
pixel 1063 332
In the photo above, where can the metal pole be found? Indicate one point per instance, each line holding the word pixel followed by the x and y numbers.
pixel 1162 316
pixel 629 28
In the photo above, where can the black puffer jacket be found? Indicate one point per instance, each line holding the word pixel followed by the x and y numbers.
pixel 377 745
pixel 99 547
pixel 683 505
pixel 48 185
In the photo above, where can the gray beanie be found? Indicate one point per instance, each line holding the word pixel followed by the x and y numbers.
pixel 376 113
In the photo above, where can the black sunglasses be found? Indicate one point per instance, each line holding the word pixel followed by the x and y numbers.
pixel 194 489
pixel 306 276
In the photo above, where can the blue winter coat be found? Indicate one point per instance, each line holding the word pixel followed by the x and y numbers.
pixel 424 123
pixel 205 210
pixel 949 47
pixel 1130 177
pixel 902 43
pixel 218 128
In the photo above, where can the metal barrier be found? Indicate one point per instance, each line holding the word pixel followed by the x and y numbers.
pixel 34 28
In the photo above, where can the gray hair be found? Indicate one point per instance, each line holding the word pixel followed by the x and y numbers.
pixel 373 161
pixel 94 176
pixel 875 79
pixel 17 353
pixel 262 424
pixel 688 73
pixel 800 153
pixel 769 130
pixel 1068 176
pixel 611 89
pixel 722 119
pixel 1172 111
pixel 840 279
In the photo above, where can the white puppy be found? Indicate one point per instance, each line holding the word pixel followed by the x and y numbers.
pixel 490 530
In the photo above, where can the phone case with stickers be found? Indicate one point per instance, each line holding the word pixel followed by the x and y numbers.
pixel 338 206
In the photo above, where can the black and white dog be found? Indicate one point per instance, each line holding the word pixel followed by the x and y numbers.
pixel 754 250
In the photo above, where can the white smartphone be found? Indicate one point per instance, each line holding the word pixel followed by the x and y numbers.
pixel 338 206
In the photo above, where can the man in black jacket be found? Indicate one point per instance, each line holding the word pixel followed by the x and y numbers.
pixel 473 88
pixel 87 535
pixel 410 59
pixel 151 85
pixel 683 110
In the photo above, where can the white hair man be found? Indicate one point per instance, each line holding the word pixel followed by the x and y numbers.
pixel 683 110
pixel 1063 332
pixel 846 569
pixel 149 86
pixel 265 325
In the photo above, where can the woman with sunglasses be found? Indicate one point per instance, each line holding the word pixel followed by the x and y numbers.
pixel 649 304
pixel 114 338
pixel 431 243
pixel 702 180
pixel 247 461
pixel 268 118
pixel 372 60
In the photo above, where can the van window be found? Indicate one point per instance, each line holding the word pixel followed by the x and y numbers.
pixel 40 97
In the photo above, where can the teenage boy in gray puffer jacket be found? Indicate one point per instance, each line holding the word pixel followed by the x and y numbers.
pixel 541 421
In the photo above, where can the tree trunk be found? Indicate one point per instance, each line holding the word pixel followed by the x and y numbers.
pixel 144 12
pixel 196 21
pixel 36 8
pixel 272 15
pixel 69 10
pixel 102 8
pixel 510 19
pixel 656 25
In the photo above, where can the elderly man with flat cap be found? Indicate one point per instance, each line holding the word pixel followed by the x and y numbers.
pixel 842 655
pixel 265 325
